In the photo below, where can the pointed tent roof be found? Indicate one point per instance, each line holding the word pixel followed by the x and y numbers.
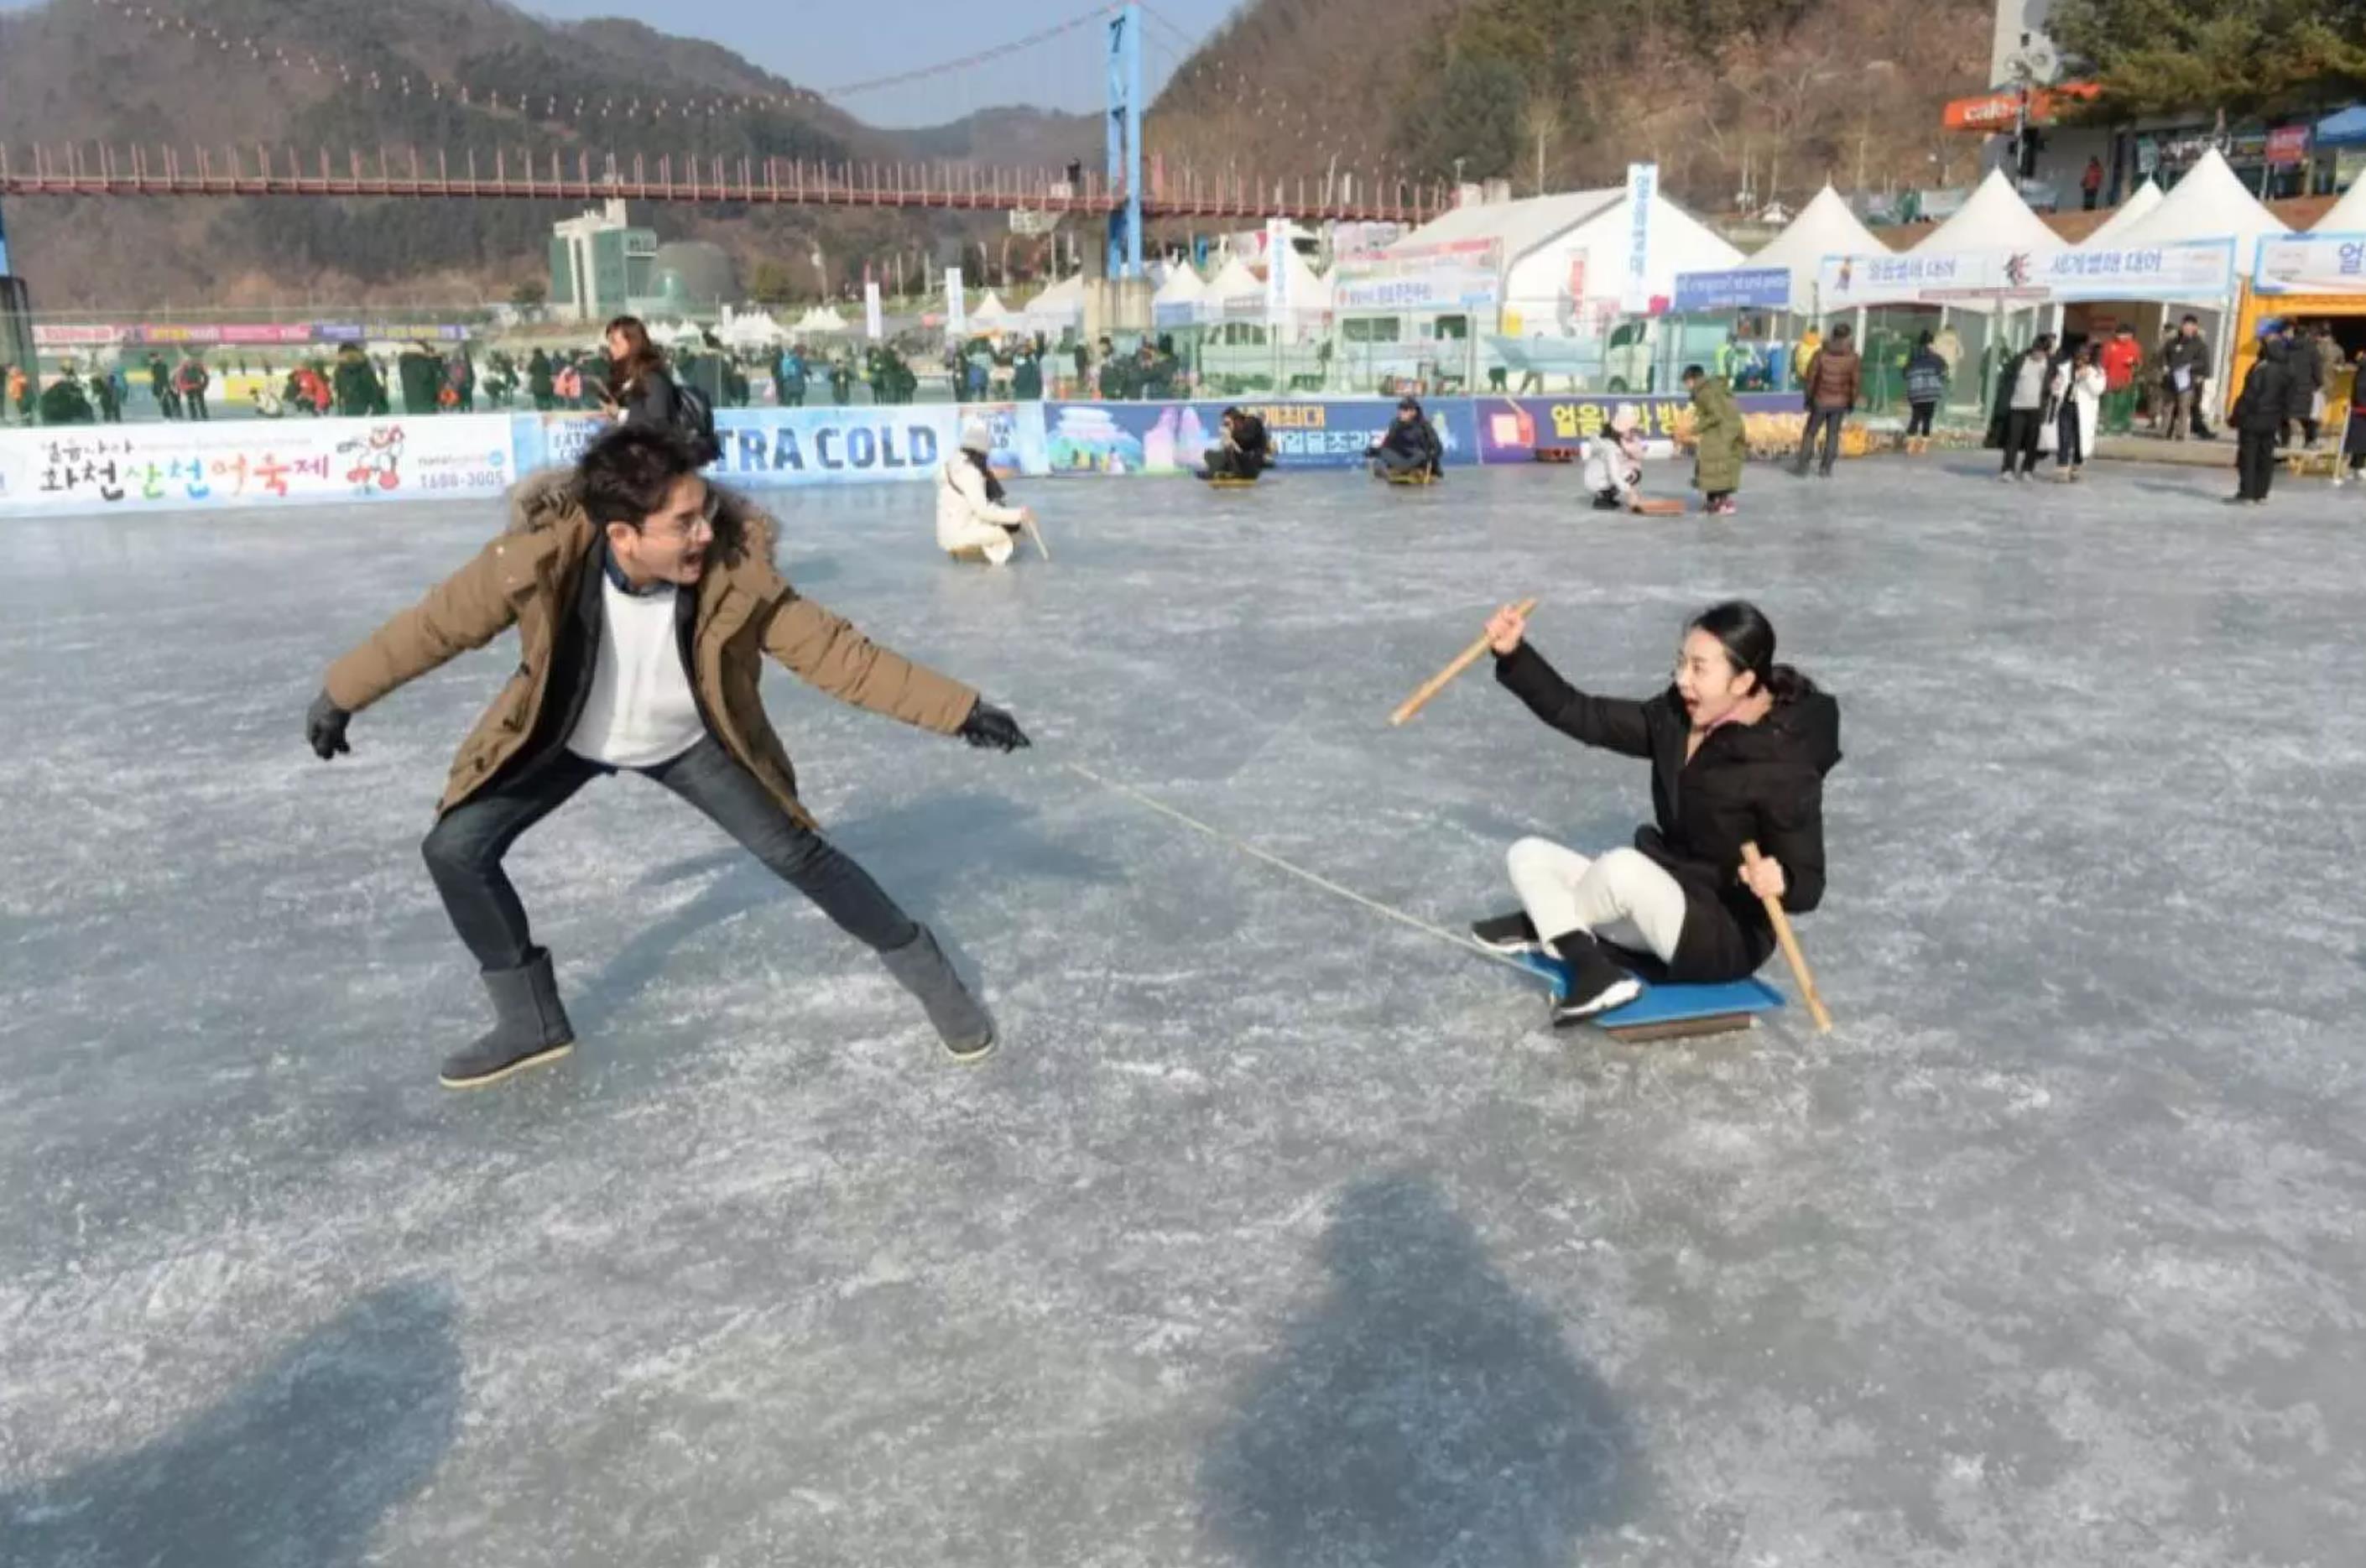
pixel 1183 284
pixel 1995 218
pixel 1309 290
pixel 2348 215
pixel 991 308
pixel 1825 227
pixel 2131 212
pixel 820 318
pixel 1233 280
pixel 2209 203
pixel 750 329
pixel 1061 303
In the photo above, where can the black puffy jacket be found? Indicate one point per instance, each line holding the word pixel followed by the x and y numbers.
pixel 1760 782
pixel 2270 393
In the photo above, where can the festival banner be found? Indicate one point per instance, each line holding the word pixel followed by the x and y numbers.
pixel 1511 429
pixel 93 468
pixel 1449 275
pixel 2311 263
pixel 775 447
pixel 1174 438
pixel 1742 288
pixel 1642 190
pixel 2196 270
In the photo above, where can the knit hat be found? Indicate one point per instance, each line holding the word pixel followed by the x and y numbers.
pixel 976 437
pixel 1625 418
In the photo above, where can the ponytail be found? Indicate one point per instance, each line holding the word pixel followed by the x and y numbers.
pixel 994 491
pixel 1748 637
pixel 1786 684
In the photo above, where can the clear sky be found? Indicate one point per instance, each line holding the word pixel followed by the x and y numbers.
pixel 827 43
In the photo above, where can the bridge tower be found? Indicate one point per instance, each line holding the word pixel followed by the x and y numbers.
pixel 1125 139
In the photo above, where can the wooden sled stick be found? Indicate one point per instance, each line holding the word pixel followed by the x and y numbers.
pixel 1036 533
pixel 1791 954
pixel 1439 682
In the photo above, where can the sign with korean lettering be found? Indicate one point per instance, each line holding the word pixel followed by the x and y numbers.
pixel 93 468
pixel 1744 288
pixel 1642 193
pixel 1450 275
pixel 2311 263
pixel 2200 271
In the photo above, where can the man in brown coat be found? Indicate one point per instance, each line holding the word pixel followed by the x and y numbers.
pixel 1835 379
pixel 644 601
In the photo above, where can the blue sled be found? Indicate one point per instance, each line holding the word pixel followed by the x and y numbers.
pixel 1668 1010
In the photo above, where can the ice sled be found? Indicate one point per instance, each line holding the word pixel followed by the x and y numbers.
pixel 1668 1010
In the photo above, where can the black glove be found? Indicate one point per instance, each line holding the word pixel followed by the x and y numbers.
pixel 324 726
pixel 989 726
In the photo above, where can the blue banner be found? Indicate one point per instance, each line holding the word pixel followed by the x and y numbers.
pixel 765 448
pixel 1173 438
pixel 1744 288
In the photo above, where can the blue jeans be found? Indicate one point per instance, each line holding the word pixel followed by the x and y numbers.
pixel 464 850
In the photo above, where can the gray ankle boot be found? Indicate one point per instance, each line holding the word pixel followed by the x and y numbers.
pixel 529 1026
pixel 920 969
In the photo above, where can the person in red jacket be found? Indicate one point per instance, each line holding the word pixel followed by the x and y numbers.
pixel 2122 358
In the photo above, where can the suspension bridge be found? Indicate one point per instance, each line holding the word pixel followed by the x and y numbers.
pixel 107 170
pixel 1126 193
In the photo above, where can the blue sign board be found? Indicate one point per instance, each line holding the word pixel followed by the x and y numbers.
pixel 1744 288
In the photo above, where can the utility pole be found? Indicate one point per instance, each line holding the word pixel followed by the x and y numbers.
pixel 1125 141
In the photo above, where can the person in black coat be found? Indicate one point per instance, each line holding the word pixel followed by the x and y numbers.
pixel 2269 395
pixel 1739 747
pixel 1246 451
pixel 1410 446
pixel 640 388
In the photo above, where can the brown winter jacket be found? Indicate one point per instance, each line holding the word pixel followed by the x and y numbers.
pixel 527 575
pixel 1835 379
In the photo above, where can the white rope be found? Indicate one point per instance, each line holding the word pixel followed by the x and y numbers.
pixel 1324 883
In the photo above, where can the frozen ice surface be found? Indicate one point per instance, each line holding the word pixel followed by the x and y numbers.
pixel 1276 1234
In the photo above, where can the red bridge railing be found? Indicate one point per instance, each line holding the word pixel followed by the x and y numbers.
pixel 107 170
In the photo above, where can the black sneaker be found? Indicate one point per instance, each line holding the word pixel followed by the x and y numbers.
pixel 1595 983
pixel 1506 933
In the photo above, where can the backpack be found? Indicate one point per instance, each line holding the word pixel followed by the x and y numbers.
pixel 694 421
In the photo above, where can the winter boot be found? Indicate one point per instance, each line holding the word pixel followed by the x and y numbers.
pixel 1508 933
pixel 1595 983
pixel 529 1027
pixel 920 969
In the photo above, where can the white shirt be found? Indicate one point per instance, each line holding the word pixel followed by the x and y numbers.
pixel 640 710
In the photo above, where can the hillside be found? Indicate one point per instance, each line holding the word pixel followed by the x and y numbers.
pixel 1771 93
pixel 363 73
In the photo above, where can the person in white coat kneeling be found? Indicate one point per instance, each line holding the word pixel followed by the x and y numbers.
pixel 972 524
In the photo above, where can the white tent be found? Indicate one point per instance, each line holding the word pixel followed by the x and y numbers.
pixel 1062 305
pixel 750 330
pixel 1180 300
pixel 990 311
pixel 2209 203
pixel 2131 212
pixel 1309 290
pixel 820 318
pixel 1995 218
pixel 2349 214
pixel 1235 288
pixel 1825 227
pixel 680 335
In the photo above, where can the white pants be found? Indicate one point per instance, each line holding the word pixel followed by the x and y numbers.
pixel 1623 897
pixel 990 540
